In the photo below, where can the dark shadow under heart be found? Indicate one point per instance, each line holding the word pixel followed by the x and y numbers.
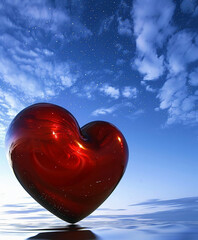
pixel 73 232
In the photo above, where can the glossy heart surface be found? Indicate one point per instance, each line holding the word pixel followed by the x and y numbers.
pixel 67 169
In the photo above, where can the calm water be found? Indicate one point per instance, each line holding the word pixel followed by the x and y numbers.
pixel 170 219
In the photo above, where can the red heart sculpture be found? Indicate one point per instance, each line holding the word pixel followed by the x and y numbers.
pixel 68 170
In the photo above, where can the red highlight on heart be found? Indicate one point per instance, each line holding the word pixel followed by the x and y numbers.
pixel 67 169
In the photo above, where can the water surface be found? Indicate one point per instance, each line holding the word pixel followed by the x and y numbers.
pixel 156 219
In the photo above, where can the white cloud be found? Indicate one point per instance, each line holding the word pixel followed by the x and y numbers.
pixel 182 49
pixel 22 88
pixel 189 103
pixel 124 27
pixel 27 63
pixel 151 27
pixel 193 78
pixel 67 81
pixel 123 6
pixel 175 97
pixel 104 111
pixel 47 52
pixel 136 114
pixel 10 105
pixel 130 92
pixel 12 102
pixel 17 79
pixel 28 73
pixel 50 92
pixel 110 110
pixel 150 89
pixel 87 90
pixel 152 67
pixel 110 91
pixel 173 92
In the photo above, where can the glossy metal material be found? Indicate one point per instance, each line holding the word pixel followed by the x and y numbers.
pixel 68 170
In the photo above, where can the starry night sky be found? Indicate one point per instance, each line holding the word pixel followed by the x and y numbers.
pixel 132 63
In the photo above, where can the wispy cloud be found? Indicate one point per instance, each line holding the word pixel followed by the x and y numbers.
pixel 133 115
pixel 106 24
pixel 32 72
pixel 150 89
pixel 181 105
pixel 193 78
pixel 182 49
pixel 130 92
pixel 87 90
pixel 112 109
pixel 151 27
pixel 124 27
pixel 55 18
pixel 110 91
pixel 27 62
pixel 104 111
pixel 29 68
pixel 10 103
pixel 154 30
pixel 175 94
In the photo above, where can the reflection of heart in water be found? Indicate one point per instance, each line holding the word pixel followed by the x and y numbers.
pixel 66 235
pixel 68 170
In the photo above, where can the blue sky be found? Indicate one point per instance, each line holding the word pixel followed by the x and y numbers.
pixel 132 63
